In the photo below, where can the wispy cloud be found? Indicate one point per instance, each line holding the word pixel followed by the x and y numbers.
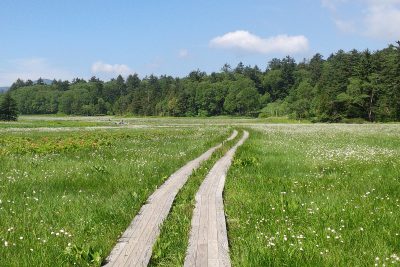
pixel 33 69
pixel 346 26
pixel 332 4
pixel 154 65
pixel 183 53
pixel 248 42
pixel 100 67
pixel 382 19
pixel 379 19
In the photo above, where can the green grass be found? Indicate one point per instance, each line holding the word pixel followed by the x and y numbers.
pixel 217 120
pixel 37 122
pixel 315 195
pixel 170 248
pixel 65 197
pixel 56 120
pixel 296 195
pixel 284 120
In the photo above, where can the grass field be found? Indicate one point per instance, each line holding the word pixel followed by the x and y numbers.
pixel 296 194
pixel 39 121
pixel 65 197
pixel 316 195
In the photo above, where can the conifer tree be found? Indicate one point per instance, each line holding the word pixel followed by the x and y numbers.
pixel 8 108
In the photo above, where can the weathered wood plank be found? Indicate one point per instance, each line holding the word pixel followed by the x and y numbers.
pixel 208 243
pixel 135 245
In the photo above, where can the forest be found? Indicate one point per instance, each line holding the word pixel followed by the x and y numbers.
pixel 346 86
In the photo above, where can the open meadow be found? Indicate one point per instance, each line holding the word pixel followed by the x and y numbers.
pixel 295 195
pixel 316 195
pixel 200 133
pixel 65 197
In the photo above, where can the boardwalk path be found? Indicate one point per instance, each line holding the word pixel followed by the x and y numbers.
pixel 208 245
pixel 135 246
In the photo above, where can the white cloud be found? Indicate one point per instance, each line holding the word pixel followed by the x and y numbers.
pixel 32 69
pixel 183 53
pixel 346 26
pixel 378 19
pixel 248 42
pixel 332 4
pixel 154 65
pixel 382 2
pixel 382 19
pixel 100 67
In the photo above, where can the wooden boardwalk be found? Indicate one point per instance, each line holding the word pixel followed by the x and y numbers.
pixel 134 248
pixel 208 245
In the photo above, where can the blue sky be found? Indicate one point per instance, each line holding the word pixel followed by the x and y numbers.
pixel 67 39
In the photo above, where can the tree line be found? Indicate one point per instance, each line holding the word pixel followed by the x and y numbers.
pixel 347 85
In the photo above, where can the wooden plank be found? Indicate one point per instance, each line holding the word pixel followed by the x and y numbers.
pixel 208 243
pixel 136 243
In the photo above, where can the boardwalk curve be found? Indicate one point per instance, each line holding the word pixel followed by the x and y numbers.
pixel 208 244
pixel 135 245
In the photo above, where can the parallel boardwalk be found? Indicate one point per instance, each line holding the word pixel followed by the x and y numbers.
pixel 208 245
pixel 135 245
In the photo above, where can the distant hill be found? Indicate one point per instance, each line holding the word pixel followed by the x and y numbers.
pixel 46 81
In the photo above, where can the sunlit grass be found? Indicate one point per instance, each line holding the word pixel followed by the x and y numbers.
pixel 316 195
pixel 296 195
pixel 39 121
pixel 65 197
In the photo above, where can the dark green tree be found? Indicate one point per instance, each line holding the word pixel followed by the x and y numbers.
pixel 274 64
pixel 239 68
pixel 17 84
pixel 132 82
pixel 226 68
pixel 78 80
pixel 121 86
pixel 197 75
pixel 40 81
pixel 315 67
pixel 346 85
pixel 8 108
